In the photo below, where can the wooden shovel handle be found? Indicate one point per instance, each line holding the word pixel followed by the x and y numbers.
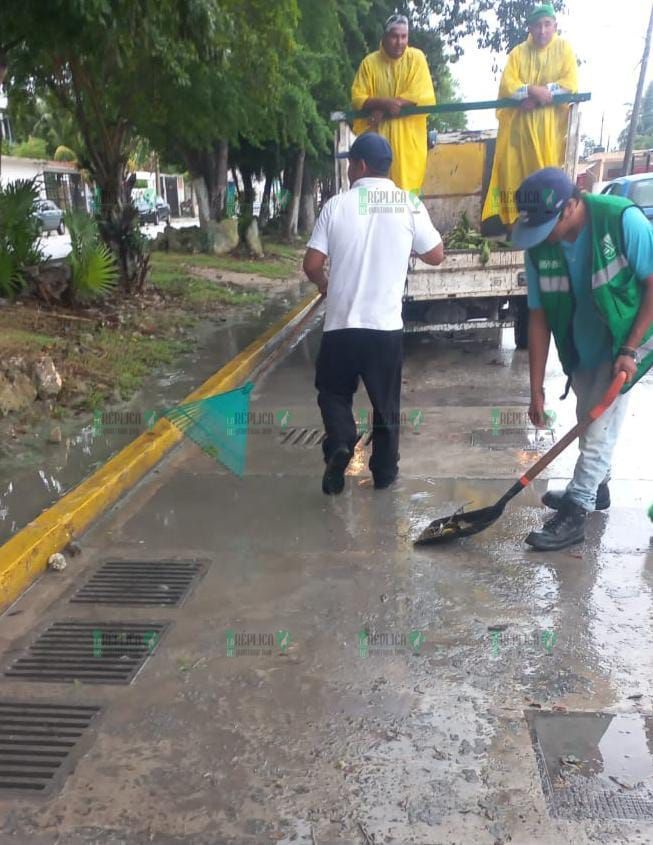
pixel 607 400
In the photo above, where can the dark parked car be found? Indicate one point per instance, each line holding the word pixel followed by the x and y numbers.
pixel 49 216
pixel 152 214
pixel 638 188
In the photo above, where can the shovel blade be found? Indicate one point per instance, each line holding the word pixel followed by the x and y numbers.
pixel 458 525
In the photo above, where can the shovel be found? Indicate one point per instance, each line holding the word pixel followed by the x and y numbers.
pixel 461 524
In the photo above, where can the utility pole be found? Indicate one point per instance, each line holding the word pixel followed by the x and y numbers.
pixel 634 118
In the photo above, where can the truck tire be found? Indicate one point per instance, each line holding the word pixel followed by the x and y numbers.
pixel 521 323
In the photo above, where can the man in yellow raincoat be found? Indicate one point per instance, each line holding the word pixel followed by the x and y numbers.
pixel 533 135
pixel 393 76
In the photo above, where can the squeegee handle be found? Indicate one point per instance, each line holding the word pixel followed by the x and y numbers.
pixel 580 428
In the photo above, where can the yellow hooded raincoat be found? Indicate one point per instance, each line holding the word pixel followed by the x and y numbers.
pixel 528 141
pixel 408 78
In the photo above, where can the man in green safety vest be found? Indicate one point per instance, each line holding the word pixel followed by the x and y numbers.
pixel 589 262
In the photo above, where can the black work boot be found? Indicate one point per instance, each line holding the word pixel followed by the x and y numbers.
pixel 564 529
pixel 333 480
pixel 554 498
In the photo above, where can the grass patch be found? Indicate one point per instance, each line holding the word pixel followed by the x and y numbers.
pixel 274 266
pixel 127 362
pixel 282 250
pixel 21 341
pixel 170 274
pixel 122 360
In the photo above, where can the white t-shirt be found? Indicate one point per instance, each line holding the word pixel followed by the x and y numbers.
pixel 368 233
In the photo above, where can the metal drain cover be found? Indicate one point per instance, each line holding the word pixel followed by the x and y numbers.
pixel 595 765
pixel 88 652
pixel 140 583
pixel 37 742
pixel 307 437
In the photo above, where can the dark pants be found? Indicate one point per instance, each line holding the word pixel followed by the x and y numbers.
pixel 375 356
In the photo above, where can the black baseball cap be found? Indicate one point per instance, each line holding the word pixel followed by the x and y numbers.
pixel 540 200
pixel 371 148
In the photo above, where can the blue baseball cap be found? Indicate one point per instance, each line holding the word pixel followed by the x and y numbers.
pixel 371 148
pixel 540 199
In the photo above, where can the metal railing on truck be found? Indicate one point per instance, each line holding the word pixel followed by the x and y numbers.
pixel 343 134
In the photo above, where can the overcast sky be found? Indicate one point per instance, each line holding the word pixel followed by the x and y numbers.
pixel 607 37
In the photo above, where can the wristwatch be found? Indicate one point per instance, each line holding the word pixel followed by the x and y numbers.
pixel 631 353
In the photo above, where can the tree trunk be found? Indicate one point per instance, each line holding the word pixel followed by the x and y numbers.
pixel 307 202
pixel 203 204
pixel 264 214
pixel 209 172
pixel 293 211
pixel 117 219
pixel 219 200
pixel 247 205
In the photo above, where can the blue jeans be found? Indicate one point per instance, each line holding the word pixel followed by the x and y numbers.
pixel 597 444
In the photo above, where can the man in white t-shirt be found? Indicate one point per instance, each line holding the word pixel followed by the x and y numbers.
pixel 367 233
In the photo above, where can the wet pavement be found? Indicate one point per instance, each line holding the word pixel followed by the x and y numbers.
pixel 323 681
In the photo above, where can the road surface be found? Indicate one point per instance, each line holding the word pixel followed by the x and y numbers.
pixel 325 681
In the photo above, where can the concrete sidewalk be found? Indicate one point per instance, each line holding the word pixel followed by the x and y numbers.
pixel 324 681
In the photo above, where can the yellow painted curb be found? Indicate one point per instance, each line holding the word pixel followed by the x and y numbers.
pixel 25 555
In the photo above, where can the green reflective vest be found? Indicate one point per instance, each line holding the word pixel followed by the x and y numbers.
pixel 616 291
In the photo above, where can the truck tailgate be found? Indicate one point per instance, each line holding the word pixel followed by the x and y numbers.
pixel 461 275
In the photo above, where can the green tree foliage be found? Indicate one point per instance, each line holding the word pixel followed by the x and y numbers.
pixel 35 113
pixel 100 59
pixel 207 83
pixel 192 120
pixel 499 25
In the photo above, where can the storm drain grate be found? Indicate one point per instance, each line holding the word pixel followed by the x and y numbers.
pixel 307 437
pixel 37 742
pixel 88 652
pixel 140 583
pixel 595 766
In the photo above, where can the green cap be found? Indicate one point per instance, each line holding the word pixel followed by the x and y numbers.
pixel 544 10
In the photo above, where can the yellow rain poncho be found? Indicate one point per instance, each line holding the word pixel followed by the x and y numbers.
pixel 528 141
pixel 407 78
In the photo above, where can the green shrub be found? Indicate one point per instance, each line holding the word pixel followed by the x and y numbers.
pixel 64 154
pixel 94 271
pixel 31 148
pixel 19 234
